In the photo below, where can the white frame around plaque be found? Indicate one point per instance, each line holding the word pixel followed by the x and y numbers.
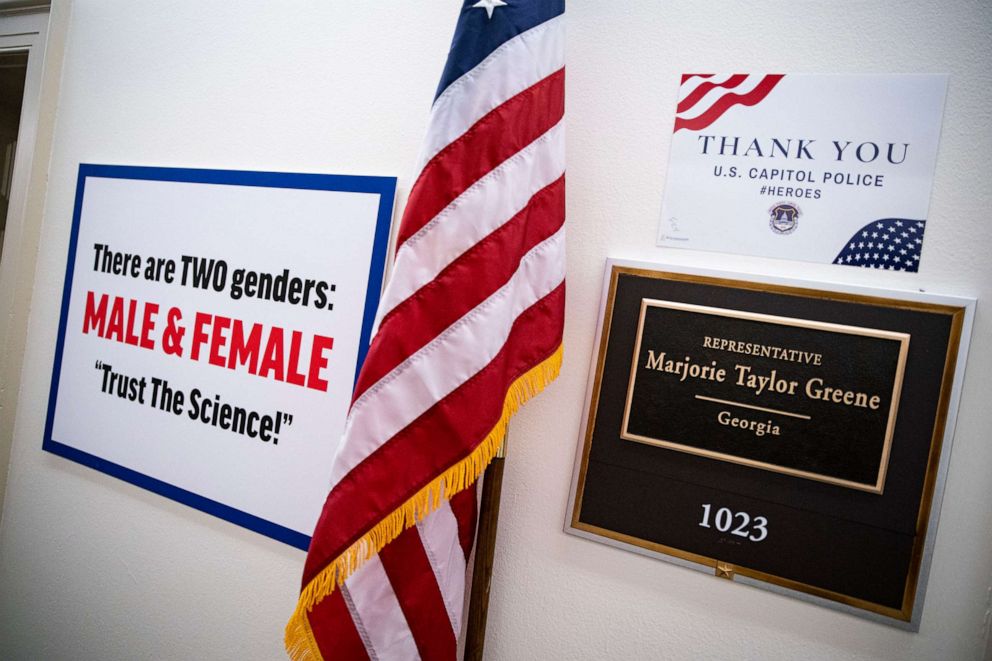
pixel 967 303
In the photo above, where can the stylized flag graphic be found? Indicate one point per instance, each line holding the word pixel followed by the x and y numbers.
pixel 470 327
pixel 704 97
pixel 893 244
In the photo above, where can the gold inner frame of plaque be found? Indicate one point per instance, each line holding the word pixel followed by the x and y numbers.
pixel 956 314
pixel 903 338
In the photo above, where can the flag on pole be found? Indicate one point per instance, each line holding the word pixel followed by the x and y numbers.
pixel 469 328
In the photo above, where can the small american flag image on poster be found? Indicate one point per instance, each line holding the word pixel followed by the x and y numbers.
pixel 821 168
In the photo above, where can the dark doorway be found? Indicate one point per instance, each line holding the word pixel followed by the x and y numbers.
pixel 13 68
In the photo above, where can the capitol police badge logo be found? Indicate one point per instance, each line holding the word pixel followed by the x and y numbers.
pixel 784 217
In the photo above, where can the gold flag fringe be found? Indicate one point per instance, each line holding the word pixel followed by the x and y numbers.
pixel 300 643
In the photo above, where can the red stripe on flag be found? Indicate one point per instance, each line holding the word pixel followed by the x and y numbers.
pixel 415 586
pixel 452 428
pixel 462 285
pixel 703 88
pixel 499 135
pixel 334 631
pixel 687 76
pixel 464 506
pixel 727 101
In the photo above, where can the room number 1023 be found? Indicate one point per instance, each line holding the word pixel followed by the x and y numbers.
pixel 736 523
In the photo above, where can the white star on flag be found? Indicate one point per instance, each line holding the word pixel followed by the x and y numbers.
pixel 489 5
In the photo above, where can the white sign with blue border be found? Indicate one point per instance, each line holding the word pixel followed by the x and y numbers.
pixel 213 324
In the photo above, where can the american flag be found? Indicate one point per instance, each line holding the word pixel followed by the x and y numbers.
pixel 470 326
pixel 892 244
pixel 705 97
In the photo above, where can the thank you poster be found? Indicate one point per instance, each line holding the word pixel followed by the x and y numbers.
pixel 820 168
pixel 212 325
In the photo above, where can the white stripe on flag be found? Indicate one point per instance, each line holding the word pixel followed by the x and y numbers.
pixel 439 535
pixel 477 212
pixel 689 86
pixel 463 349
pixel 711 97
pixel 378 614
pixel 519 63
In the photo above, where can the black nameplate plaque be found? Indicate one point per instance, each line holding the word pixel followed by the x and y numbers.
pixel 773 434
pixel 807 398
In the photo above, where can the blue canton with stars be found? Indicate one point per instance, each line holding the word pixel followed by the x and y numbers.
pixel 893 244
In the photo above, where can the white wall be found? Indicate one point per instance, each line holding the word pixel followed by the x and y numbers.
pixel 93 568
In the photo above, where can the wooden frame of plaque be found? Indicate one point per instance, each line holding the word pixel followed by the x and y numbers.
pixel 777 433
